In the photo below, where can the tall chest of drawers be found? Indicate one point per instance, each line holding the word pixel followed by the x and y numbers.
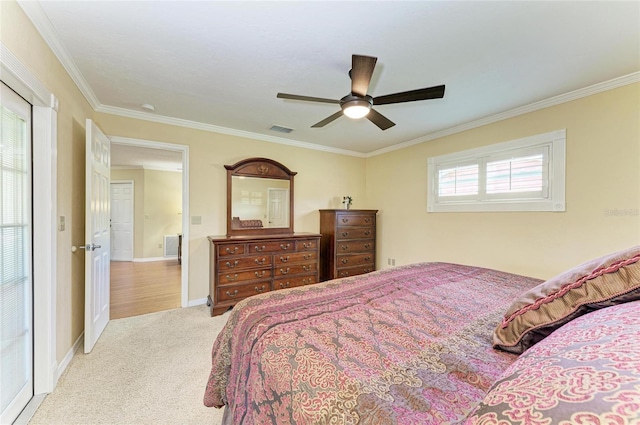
pixel 241 266
pixel 348 243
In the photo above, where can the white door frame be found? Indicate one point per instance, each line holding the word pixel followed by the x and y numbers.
pixel 133 223
pixel 184 149
pixel 45 141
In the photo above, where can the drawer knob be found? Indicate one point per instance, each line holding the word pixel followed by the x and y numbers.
pixel 230 295
pixel 230 264
pixel 344 260
pixel 284 271
pixel 259 248
pixel 345 234
pixel 307 256
pixel 285 246
pixel 284 259
pixel 367 270
pixel 367 245
pixel 260 273
pixel 367 258
pixel 367 232
pixel 260 289
pixel 231 279
pixel 306 268
pixel 234 250
pixel 260 260
pixel 306 281
pixel 284 285
pixel 344 274
pixel 345 220
pixel 345 247
pixel 306 245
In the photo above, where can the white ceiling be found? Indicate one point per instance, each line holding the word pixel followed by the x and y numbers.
pixel 218 65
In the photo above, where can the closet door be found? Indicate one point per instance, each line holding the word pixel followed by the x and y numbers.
pixel 16 284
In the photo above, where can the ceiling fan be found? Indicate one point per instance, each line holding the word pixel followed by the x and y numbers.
pixel 359 104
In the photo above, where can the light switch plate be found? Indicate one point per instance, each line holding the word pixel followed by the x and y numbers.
pixel 61 223
pixel 196 219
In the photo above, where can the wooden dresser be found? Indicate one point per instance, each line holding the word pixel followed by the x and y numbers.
pixel 241 266
pixel 348 244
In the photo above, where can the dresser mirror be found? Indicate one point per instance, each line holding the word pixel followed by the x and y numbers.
pixel 259 198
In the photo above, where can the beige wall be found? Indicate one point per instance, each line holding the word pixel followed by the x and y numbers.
pixel 602 194
pixel 162 209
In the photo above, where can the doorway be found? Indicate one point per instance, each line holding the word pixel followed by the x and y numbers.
pixel 122 220
pixel 152 159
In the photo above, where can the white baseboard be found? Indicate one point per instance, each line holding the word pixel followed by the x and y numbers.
pixel 193 303
pixel 145 260
pixel 67 359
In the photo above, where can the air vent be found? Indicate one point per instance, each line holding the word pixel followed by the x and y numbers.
pixel 281 129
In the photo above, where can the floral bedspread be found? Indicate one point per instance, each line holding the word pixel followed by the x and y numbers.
pixel 408 345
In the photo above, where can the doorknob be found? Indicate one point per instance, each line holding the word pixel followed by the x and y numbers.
pixel 90 247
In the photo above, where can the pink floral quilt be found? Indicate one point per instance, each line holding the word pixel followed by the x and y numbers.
pixel 408 345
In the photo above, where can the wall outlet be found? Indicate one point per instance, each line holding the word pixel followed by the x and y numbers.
pixel 159 245
pixel 196 219
pixel 391 261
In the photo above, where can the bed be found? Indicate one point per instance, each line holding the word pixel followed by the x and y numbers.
pixel 428 343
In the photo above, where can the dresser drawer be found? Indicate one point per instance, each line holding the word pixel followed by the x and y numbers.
pixel 354 271
pixel 230 277
pixel 238 292
pixel 307 245
pixel 355 220
pixel 294 269
pixel 348 260
pixel 271 246
pixel 243 262
pixel 298 257
pixel 293 281
pixel 355 233
pixel 234 249
pixel 355 246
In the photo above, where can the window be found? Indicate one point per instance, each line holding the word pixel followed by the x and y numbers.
pixel 519 175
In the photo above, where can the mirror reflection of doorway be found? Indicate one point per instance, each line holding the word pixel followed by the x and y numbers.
pixel 277 212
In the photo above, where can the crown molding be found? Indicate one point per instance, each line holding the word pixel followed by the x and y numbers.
pixel 147 116
pixel 34 12
pixel 546 103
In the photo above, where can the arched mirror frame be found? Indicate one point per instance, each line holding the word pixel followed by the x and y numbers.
pixel 260 168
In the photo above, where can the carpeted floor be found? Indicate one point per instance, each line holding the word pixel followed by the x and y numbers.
pixel 149 369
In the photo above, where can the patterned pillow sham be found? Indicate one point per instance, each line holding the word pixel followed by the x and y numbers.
pixel 605 281
pixel 586 372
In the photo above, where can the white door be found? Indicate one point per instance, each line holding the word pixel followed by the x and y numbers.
pixel 122 221
pixel 16 284
pixel 278 207
pixel 97 235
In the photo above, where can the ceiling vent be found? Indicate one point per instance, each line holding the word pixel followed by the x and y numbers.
pixel 280 129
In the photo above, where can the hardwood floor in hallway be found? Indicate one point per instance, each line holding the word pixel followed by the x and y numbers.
pixel 144 287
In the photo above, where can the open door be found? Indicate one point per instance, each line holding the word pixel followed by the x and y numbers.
pixel 97 235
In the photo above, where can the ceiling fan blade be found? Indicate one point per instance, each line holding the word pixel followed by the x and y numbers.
pixel 380 120
pixel 435 92
pixel 328 120
pixel 361 72
pixel 306 98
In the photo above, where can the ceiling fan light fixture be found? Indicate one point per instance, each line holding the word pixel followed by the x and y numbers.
pixel 357 108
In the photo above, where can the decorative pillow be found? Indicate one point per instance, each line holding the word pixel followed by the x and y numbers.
pixel 586 372
pixel 599 283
